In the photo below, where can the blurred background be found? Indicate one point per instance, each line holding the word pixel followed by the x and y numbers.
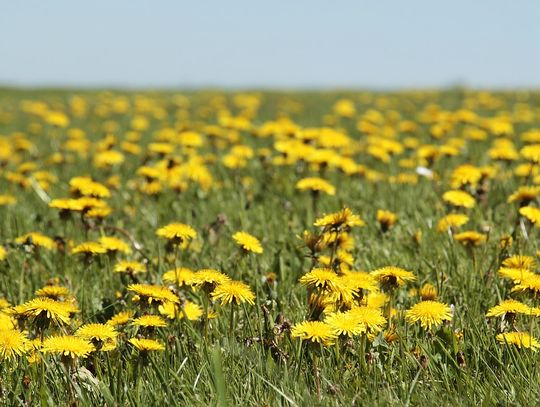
pixel 282 44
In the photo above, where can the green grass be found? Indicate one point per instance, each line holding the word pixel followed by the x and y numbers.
pixel 241 368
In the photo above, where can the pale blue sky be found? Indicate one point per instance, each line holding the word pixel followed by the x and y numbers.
pixel 302 43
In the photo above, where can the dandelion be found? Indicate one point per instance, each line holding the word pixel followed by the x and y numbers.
pixel 344 323
pixel 122 318
pixel 102 336
pixel 519 339
pixel 188 309
pixel 315 331
pixel 371 319
pixel 89 249
pixel 46 309
pixel 129 267
pixel 341 261
pixel 520 262
pixel 68 346
pixel 470 238
pixel 114 245
pixel 316 185
pixel 12 344
pixel 386 219
pixel 233 292
pixel 319 278
pixel 37 240
pixel 179 276
pixel 515 274
pixel 428 292
pixel 505 242
pixel 392 277
pixel 146 345
pixel 342 220
pixel 248 242
pixel 153 293
pixel 459 199
pixel 531 213
pixel 7 200
pixel 149 321
pixel 177 232
pixel 53 292
pixel 429 313
pixel 208 279
pixel 452 221
pixel 524 195
pixel 511 307
pixel 529 283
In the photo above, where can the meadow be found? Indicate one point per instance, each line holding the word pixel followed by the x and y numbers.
pixel 269 248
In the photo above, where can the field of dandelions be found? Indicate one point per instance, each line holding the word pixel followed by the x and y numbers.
pixel 212 248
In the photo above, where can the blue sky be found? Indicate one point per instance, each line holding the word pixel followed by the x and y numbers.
pixel 283 44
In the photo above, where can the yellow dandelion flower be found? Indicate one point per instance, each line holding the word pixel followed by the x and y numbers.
pixel 7 321
pixel 179 276
pixel 87 187
pixel 113 244
pixel 531 213
pixel 12 344
pixel 7 200
pixel 342 260
pixel 177 232
pixel 515 274
pixel 386 219
pixel 470 238
pixel 102 336
pixel 524 195
pixel 121 318
pixel 48 309
pixel 429 313
pixel 505 242
pixel 344 219
pixel 371 319
pixel 4 303
pixel 465 174
pixel 392 277
pixel 344 323
pixel 459 198
pixel 67 346
pixel 428 292
pixel 520 262
pixel 53 292
pixel 316 185
pixel 315 331
pixel 153 293
pixel 130 267
pixel 188 309
pixel 89 248
pixel 233 292
pixel 346 290
pixel 3 253
pixel 508 307
pixel 146 345
pixel 98 213
pixel 248 242
pixel 36 239
pixel 531 152
pixel 452 221
pixel 321 278
pixel 149 321
pixel 529 283
pixel 208 279
pixel 519 339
